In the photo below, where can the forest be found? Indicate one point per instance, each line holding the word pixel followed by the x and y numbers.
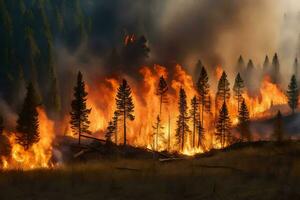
pixel 123 88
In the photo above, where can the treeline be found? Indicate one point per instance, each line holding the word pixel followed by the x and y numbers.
pixel 29 31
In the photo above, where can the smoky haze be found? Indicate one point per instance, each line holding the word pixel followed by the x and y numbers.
pixel 216 32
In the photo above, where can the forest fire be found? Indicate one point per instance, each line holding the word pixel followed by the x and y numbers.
pixel 39 155
pixel 156 116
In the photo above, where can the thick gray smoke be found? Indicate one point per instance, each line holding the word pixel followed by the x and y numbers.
pixel 216 32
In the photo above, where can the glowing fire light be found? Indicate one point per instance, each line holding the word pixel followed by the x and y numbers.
pixel 39 155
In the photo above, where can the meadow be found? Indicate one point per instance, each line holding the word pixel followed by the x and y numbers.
pixel 266 171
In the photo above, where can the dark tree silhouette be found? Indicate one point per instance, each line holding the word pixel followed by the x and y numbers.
pixel 238 90
pixel 162 93
pixel 223 127
pixel 275 74
pixel 79 114
pixel 115 122
pixel 125 106
pixel 203 93
pixel 278 128
pixel 223 93
pixel 296 68
pixel 5 147
pixel 266 66
pixel 195 116
pixel 109 132
pixel 28 122
pixel 182 120
pixel 244 122
pixel 293 94
pixel 240 66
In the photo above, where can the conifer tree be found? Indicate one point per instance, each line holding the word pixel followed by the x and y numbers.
pixel 79 114
pixel 162 92
pixel 240 67
pixel 203 93
pixel 158 134
pixel 275 69
pixel 125 106
pixel 293 94
pixel 223 93
pixel 5 147
pixel 115 122
pixel 296 68
pixel 109 132
pixel 182 120
pixel 278 128
pixel 238 90
pixel 223 127
pixel 244 122
pixel 28 123
pixel 266 66
pixel 195 116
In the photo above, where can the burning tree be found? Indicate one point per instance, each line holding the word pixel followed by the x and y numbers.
pixel 5 147
pixel 158 132
pixel 293 94
pixel 223 92
pixel 162 92
pixel 28 123
pixel 244 122
pixel 79 114
pixel 203 92
pixel 195 116
pixel 223 126
pixel 183 118
pixel 278 128
pixel 238 90
pixel 125 106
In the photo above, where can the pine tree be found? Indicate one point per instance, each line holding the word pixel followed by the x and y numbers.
pixel 115 122
pixel 276 69
pixel 296 68
pixel 125 106
pixel 223 93
pixel 109 132
pixel 195 116
pixel 293 94
pixel 5 146
pixel 278 128
pixel 182 121
pixel 266 66
pixel 162 92
pixel 223 126
pixel 28 123
pixel 240 67
pixel 244 122
pixel 158 134
pixel 79 114
pixel 238 90
pixel 203 93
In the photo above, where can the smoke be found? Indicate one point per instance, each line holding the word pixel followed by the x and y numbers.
pixel 216 32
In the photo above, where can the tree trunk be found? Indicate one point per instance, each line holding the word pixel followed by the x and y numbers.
pixel 124 127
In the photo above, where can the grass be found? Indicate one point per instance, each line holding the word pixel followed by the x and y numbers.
pixel 255 172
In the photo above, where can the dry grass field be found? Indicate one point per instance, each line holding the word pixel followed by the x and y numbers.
pixel 267 172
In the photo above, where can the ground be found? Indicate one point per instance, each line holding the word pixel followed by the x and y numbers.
pixel 265 171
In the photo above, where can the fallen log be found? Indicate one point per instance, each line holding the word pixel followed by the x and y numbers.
pixel 128 169
pixel 171 159
pixel 93 138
